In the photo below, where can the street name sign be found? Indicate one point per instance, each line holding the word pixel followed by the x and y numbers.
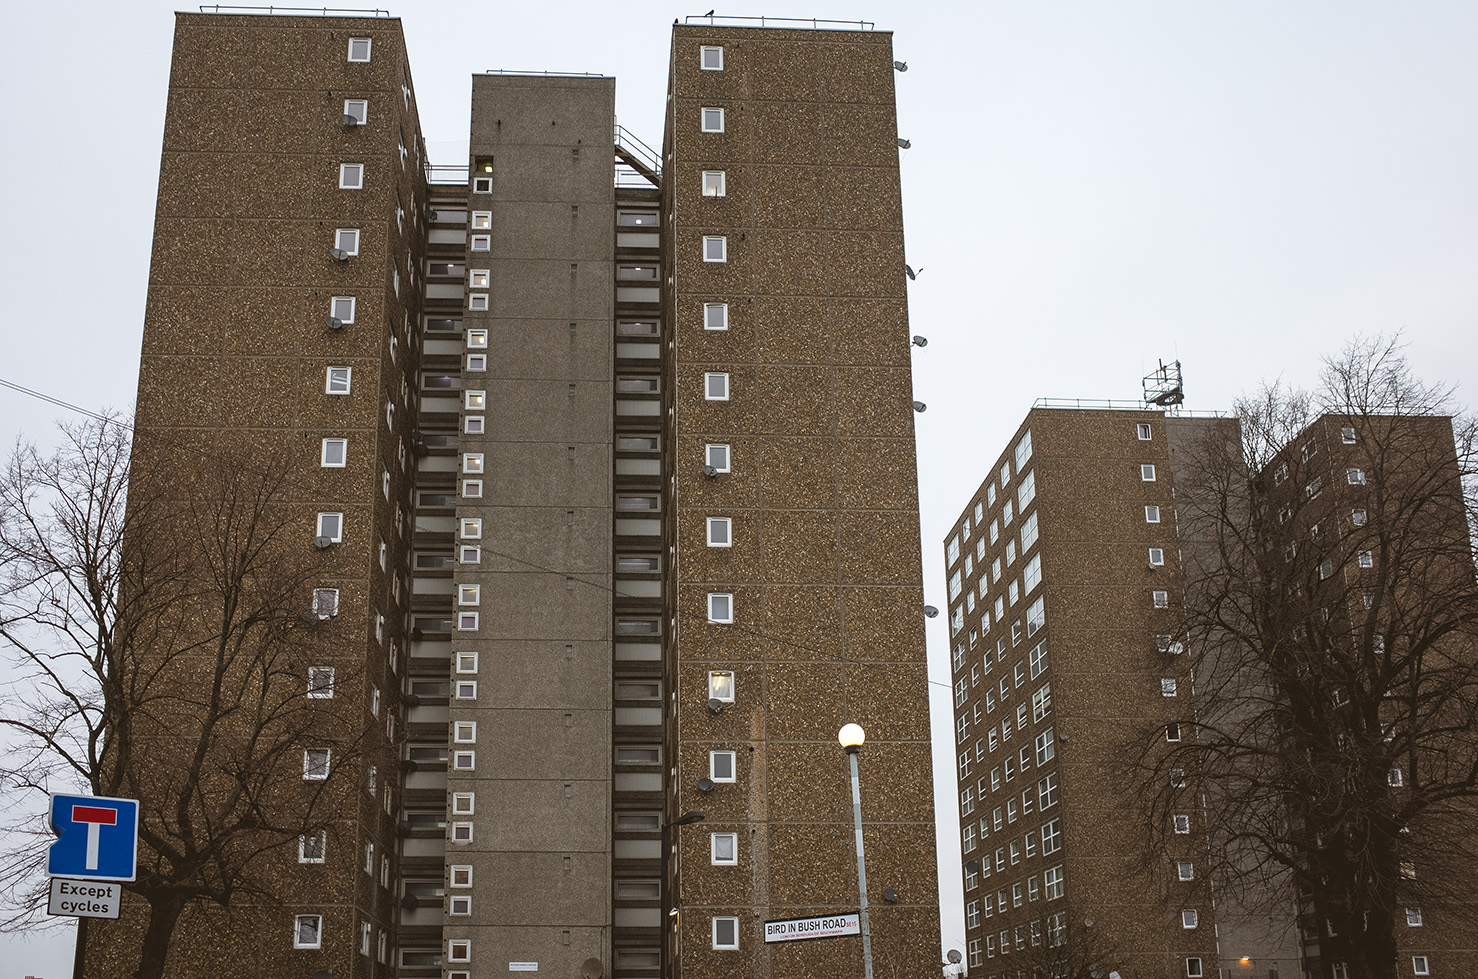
pixel 801 929
pixel 99 837
pixel 84 898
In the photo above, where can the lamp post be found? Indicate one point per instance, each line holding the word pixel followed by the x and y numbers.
pixel 851 737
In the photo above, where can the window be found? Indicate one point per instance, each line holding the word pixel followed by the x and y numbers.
pixel 473 425
pixel 475 400
pixel 716 455
pixel 464 732
pixel 1157 557
pixel 713 120
pixel 720 607
pixel 459 950
pixel 1051 837
pixel 320 682
pixel 721 766
pixel 341 308
pixel 1326 569
pixel 1172 732
pixel 711 58
pixel 1031 575
pixel 466 690
pixel 721 685
pixel 313 848
pixel 1046 747
pixel 1185 870
pixel 1395 778
pixel 1189 918
pixel 359 48
pixel 461 875
pixel 471 528
pixel 716 386
pixel 714 183
pixel 967 838
pixel 1042 702
pixel 1177 777
pixel 725 933
pixel 1314 487
pixel 469 594
pixel 347 239
pixel 1161 599
pixel 308 931
pixel 1036 617
pixel 482 220
pixel 337 381
pixel 315 764
pixel 1047 792
pixel 477 362
pixel 1052 882
pixel 1027 491
pixel 1182 823
pixel 1167 686
pixel 1355 477
pixel 331 526
pixel 1419 965
pixel 1151 514
pixel 335 453
pixel 1147 472
pixel 481 243
pixel 467 621
pixel 723 849
pixel 478 302
pixel 351 176
pixel 1347 436
pixel 1366 559
pixel 1193 967
pixel 715 248
pixel 472 462
pixel 1143 431
pixel 720 531
pixel 464 761
pixel 1413 917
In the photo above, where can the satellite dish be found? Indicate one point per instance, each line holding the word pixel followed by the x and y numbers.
pixel 591 969
pixel 349 121
pixel 903 66
pixel 710 471
pixel 954 955
pixel 333 322
pixel 920 341
pixel 339 255
pixel 972 866
pixel 920 406
pixel 705 784
pixel 715 705
pixel 890 895
pixel 903 144
pixel 930 611
pixel 322 542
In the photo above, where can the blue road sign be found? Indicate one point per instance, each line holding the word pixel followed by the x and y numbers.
pixel 99 838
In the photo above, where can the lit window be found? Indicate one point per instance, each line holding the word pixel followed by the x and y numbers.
pixel 721 685
pixel 308 931
pixel 714 183
pixel 331 527
pixel 1147 473
pixel 480 279
pixel 475 400
pixel 713 120
pixel 715 248
pixel 359 48
pixel 341 308
pixel 720 532
pixel 335 453
pixel 725 933
pixel 469 594
pixel 716 386
pixel 715 316
pixel 716 456
pixel 482 220
pixel 724 849
pixel 347 240
pixel 721 766
pixel 351 176
pixel 711 58
pixel 720 607
pixel 471 528
pixel 472 462
pixel 477 339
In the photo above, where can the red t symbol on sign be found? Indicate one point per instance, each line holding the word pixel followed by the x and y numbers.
pixel 94 817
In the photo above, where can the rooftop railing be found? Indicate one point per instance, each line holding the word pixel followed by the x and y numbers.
pixel 1095 404
pixel 795 23
pixel 220 8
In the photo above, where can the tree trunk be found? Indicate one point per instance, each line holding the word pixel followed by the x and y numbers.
pixel 164 913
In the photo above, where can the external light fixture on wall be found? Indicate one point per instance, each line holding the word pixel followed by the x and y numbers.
pixel 930 611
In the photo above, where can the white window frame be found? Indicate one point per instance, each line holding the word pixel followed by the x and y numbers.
pixel 353 235
pixel 342 444
pixel 311 767
pixel 1190 918
pixel 1160 599
pixel 320 683
pixel 715 183
pixel 337 519
pixel 712 311
pixel 708 456
pixel 482 185
pixel 711 119
pixel 715 248
pixel 734 921
pixel 717 600
pixel 471 528
pixel 703 57
pixel 330 377
pixel 473 425
pixel 1147 472
pixel 477 302
pixel 473 463
pixel 477 339
pixel 481 221
pixel 315 921
pixel 336 308
pixel 714 759
pixel 347 172
pixel 477 363
pixel 469 594
pixel 716 680
pixel 708 379
pixel 321 845
pixel 1157 557
pixel 368 43
pixel 1151 513
pixel 1144 431
pixel 1193 968
pixel 728 524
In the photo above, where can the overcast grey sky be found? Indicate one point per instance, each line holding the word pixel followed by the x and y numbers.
pixel 1092 186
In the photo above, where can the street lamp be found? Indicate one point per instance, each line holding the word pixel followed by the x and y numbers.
pixel 851 737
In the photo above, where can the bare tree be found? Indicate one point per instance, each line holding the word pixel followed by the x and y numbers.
pixel 168 650
pixel 1331 613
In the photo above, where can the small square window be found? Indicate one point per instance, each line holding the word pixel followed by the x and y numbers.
pixel 472 462
pixel 338 380
pixel 1366 559
pixel 477 339
pixel 482 220
pixel 335 453
pixel 716 386
pixel 481 243
pixel 461 875
pixel 469 594
pixel 347 240
pixel 720 607
pixel 724 849
pixel 464 761
pixel 341 308
pixel 721 766
pixel 1167 686
pixel 1151 514
pixel 1185 870
pixel 715 248
pixel 477 362
pixel 714 183
pixel 467 621
pixel 1157 557
pixel 1182 823
pixel 1172 732
pixel 721 685
pixel 471 528
pixel 308 931
pixel 469 554
pixel 472 488
pixel 459 950
pixel 1355 477
pixel 478 302
pixel 1143 431
pixel 1161 599
pixel 474 400
pixel 320 682
pixel 315 764
pixel 331 527
pixel 461 832
pixel 467 662
pixel 1413 917
pixel 359 48
pixel 1193 967
pixel 474 425
pixel 464 803
pixel 351 176
pixel 466 690
pixel 460 904
pixel 1189 918
pixel 720 532
pixel 716 456
pixel 313 848
pixel 1347 436
pixel 715 316
pixel 482 185
pixel 1147 472
pixel 711 58
pixel 1419 965
pixel 725 933
pixel 713 120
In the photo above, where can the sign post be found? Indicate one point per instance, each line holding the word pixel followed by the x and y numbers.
pixel 96 851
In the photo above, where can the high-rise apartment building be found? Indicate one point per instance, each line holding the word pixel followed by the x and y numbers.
pixel 608 456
